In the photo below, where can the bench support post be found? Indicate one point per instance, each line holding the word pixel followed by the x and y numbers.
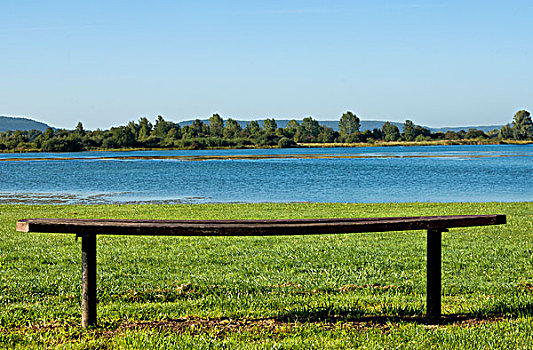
pixel 88 280
pixel 434 252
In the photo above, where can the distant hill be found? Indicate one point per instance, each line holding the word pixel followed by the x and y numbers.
pixel 17 123
pixel 484 128
pixel 365 125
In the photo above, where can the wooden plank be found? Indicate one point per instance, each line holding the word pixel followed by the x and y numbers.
pixel 253 227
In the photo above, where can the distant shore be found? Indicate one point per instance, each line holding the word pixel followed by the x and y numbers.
pixel 308 145
pixel 418 143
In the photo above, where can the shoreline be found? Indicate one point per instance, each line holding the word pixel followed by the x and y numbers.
pixel 471 142
pixel 416 143
pixel 171 203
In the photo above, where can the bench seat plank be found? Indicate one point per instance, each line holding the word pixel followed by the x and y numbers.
pixel 253 227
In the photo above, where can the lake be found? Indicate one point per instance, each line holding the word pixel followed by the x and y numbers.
pixel 366 174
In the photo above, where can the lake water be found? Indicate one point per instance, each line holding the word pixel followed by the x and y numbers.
pixel 368 174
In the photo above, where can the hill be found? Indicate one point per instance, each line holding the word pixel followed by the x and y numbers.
pixel 17 123
pixel 484 128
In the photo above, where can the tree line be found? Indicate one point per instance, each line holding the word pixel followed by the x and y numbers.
pixel 220 133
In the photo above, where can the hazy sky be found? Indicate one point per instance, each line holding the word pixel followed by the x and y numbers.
pixel 438 63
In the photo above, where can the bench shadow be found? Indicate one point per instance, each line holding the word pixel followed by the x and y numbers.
pixel 333 315
pixel 329 317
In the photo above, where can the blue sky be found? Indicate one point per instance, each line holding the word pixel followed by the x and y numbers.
pixel 438 63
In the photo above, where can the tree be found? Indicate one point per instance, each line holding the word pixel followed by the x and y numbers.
pixel 451 135
pixel 79 129
pixel 161 127
pixel 145 129
pixel 349 125
pixel 270 125
pixel 122 136
pixel 377 134
pixel 326 135
pixel 253 128
pixel 409 130
pixel 197 129
pixel 390 132
pixel 422 131
pixel 307 131
pixel 134 127
pixel 522 126
pixel 506 132
pixel 216 125
pixel 173 134
pixel 232 130
pixel 285 142
pixel 290 129
pixel 48 134
pixel 475 134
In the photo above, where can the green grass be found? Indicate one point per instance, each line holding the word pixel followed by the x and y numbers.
pixel 333 291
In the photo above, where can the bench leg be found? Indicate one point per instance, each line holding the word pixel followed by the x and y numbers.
pixel 88 280
pixel 434 275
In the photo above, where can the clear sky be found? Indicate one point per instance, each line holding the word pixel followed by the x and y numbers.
pixel 438 63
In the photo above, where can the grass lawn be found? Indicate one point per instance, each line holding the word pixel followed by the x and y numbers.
pixel 333 291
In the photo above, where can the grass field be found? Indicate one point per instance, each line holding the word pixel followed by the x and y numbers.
pixel 335 291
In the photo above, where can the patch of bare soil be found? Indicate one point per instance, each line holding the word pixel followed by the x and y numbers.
pixel 221 326
pixel 273 325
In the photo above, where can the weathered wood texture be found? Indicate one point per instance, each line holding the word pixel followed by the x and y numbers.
pixel 253 227
pixel 88 281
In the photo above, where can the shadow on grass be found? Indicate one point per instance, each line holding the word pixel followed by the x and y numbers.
pixel 330 317
pixel 404 314
pixel 326 316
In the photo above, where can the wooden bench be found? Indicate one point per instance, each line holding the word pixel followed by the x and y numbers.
pixel 88 229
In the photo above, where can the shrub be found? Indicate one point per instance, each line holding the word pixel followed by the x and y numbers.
pixel 285 142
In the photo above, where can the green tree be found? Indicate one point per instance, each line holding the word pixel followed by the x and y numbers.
pixel 506 132
pixel 307 131
pixel 216 126
pixel 199 128
pixel 285 142
pixel 173 135
pixel 451 135
pixel 326 135
pixel 475 134
pixel 79 129
pixel 422 131
pixel 145 129
pixel 122 136
pixel 252 128
pixel 232 130
pixel 290 130
pixel 390 132
pixel 134 128
pixel 161 127
pixel 522 126
pixel 377 134
pixel 409 130
pixel 349 125
pixel 48 134
pixel 270 125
